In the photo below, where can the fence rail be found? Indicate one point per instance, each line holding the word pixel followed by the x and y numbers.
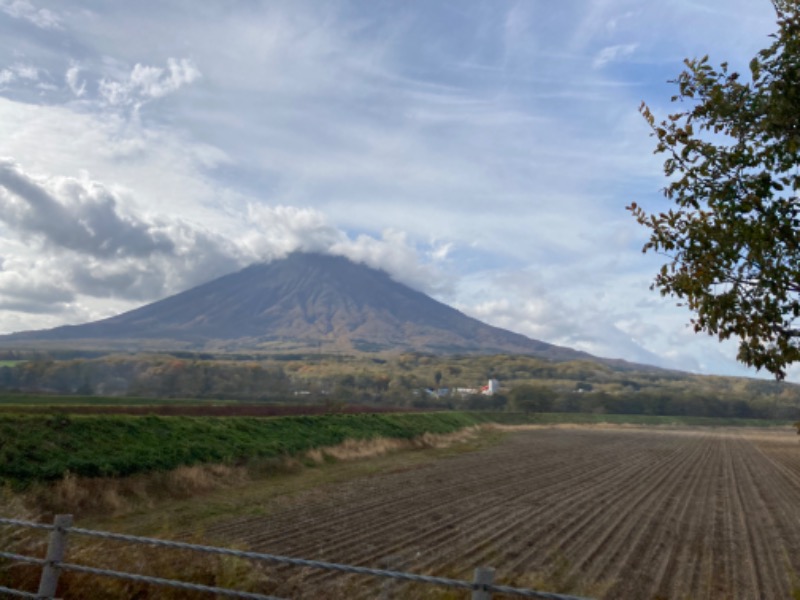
pixel 482 586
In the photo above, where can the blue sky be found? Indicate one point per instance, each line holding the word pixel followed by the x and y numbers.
pixel 480 151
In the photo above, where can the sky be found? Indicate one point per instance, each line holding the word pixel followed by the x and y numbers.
pixel 480 151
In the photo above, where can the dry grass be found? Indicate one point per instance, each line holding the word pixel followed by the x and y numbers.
pixel 82 496
pixel 204 569
pixel 171 564
pixel 361 449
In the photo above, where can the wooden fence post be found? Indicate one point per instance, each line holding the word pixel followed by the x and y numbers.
pixel 56 548
pixel 389 586
pixel 485 576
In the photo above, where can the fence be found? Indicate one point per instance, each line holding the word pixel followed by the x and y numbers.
pixel 482 586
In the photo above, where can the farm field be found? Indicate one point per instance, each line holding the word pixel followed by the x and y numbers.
pixel 605 512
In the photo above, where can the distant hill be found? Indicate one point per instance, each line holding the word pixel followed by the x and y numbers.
pixel 303 302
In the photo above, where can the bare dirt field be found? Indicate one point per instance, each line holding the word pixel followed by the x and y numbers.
pixel 601 512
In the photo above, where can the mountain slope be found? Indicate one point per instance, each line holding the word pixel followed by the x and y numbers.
pixel 308 301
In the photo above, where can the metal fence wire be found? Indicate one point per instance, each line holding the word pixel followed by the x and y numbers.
pixel 482 586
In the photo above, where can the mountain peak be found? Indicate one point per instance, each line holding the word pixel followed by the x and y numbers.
pixel 306 301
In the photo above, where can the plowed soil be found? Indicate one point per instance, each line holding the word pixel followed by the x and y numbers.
pixel 606 513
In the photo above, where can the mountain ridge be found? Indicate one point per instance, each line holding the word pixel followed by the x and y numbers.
pixel 304 301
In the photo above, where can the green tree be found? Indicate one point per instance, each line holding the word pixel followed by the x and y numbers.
pixel 732 236
pixel 532 398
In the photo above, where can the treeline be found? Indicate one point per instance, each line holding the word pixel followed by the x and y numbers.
pixel 159 376
pixel 539 398
pixel 411 380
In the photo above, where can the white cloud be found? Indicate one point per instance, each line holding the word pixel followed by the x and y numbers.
pixel 98 248
pixel 278 231
pixel 615 53
pixel 394 254
pixel 161 169
pixel 32 288
pixel 281 230
pixel 155 82
pixel 72 77
pixel 18 285
pixel 577 310
pixel 67 213
pixel 27 73
pixel 25 10
pixel 146 82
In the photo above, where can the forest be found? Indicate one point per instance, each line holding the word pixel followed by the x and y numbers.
pixel 412 380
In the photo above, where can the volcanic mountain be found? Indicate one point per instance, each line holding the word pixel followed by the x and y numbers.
pixel 308 302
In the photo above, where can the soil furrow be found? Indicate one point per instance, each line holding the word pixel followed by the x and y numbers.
pixel 457 533
pixel 678 570
pixel 762 515
pixel 608 513
pixel 632 540
pixel 523 526
pixel 613 503
pixel 442 507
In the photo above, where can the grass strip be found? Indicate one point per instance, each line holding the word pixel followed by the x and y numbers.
pixel 34 449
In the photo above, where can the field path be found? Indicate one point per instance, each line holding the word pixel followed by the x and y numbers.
pixel 602 512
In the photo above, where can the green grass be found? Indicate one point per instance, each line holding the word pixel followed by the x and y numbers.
pixel 45 448
pixel 11 363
